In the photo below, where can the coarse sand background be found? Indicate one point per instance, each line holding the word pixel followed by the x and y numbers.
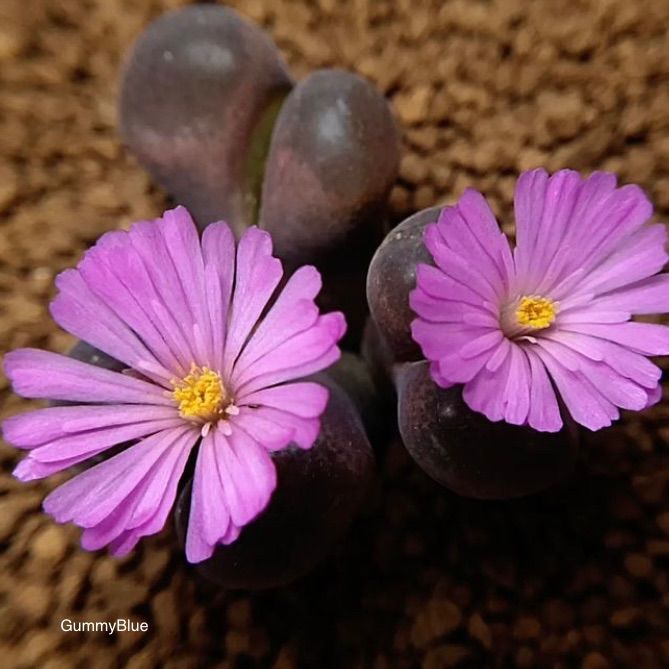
pixel 576 577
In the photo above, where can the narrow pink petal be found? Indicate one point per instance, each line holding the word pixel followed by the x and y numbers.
pixel 80 312
pixel 648 296
pixel 481 344
pixel 127 539
pixel 485 392
pixel 568 358
pixel 441 339
pixel 182 284
pixel 435 283
pixel 584 344
pixel 498 356
pixel 183 245
pixel 440 310
pixel 272 435
pixel 560 198
pixel 480 318
pixel 471 231
pixel 626 362
pixel 646 338
pixel 293 313
pixel 654 396
pixel 91 498
pixel 305 399
pixel 118 275
pixel 258 275
pixel 209 518
pixel 475 210
pixel 544 412
pixel 302 431
pixel 218 250
pixel 639 256
pixel 113 525
pixel 435 309
pixel 457 369
pixel 618 389
pixel 632 365
pixel 247 473
pixel 462 269
pixel 299 371
pixel 43 375
pixel 529 205
pixel 584 403
pixel 625 210
pixel 148 242
pixel 84 445
pixel 233 483
pixel 144 511
pixel 308 350
pixel 439 378
pixel 517 389
pixel 38 427
pixel 29 469
pixel 592 314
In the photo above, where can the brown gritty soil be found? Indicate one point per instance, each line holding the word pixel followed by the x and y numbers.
pixel 576 577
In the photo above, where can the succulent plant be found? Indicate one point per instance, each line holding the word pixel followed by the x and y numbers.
pixel 455 445
pixel 469 454
pixel 332 161
pixel 390 279
pixel 207 108
pixel 199 95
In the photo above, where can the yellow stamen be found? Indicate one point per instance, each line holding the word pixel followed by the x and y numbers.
pixel 201 395
pixel 536 312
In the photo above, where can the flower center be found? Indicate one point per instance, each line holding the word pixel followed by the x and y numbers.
pixel 201 395
pixel 536 312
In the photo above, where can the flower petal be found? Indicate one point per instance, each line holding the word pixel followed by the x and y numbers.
pixel 624 361
pixel 470 230
pixel 83 445
pixel 437 284
pixel 485 392
pixel 544 412
pixel 648 296
pixel 641 255
pixel 115 271
pixel 585 404
pixel 299 430
pixel 234 480
pixel 646 338
pixel 258 275
pixel 305 399
pixel 108 494
pixel 460 268
pixel 293 312
pixel 303 354
pixel 43 375
pixel 183 245
pixel 145 510
pixel 80 312
pixel 218 249
pixel 38 427
pixel 517 389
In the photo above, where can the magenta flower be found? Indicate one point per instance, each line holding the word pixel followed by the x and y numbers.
pixel 212 359
pixel 552 317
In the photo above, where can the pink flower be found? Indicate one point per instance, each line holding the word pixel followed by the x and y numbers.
pixel 551 317
pixel 213 360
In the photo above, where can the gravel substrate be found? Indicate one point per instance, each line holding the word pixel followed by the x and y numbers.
pixel 575 577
